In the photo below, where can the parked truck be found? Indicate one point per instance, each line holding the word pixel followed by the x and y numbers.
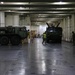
pixel 12 35
pixel 54 33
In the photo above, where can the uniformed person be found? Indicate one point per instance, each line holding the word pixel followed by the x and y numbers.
pixel 44 38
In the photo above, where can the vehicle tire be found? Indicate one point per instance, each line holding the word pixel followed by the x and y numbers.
pixel 15 40
pixel 4 40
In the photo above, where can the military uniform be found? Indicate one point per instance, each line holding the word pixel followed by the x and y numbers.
pixel 44 38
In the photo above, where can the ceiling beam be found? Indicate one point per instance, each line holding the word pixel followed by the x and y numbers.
pixel 38 3
pixel 36 0
pixel 41 12
pixel 36 9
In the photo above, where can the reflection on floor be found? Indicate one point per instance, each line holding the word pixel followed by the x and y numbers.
pixel 37 59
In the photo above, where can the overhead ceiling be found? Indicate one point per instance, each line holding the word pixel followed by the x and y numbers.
pixel 40 11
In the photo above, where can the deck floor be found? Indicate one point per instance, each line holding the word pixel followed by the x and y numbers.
pixel 38 59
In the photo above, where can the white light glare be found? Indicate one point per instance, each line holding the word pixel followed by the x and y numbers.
pixel 2 2
pixel 21 7
pixel 60 3
pixel 20 3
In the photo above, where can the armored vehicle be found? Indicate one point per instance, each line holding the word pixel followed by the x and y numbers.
pixel 12 35
pixel 54 33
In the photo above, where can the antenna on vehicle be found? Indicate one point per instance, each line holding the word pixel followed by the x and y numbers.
pixel 58 24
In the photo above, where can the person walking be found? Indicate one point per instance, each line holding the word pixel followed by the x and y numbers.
pixel 44 38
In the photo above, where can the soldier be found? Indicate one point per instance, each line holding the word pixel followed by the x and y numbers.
pixel 44 38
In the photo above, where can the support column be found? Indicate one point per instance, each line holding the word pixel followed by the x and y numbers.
pixel 62 25
pixel 64 30
pixel 27 20
pixel 16 20
pixel 29 23
pixel 2 19
pixel 73 23
pixel 69 28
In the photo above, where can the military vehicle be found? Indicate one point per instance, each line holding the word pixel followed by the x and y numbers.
pixel 54 33
pixel 12 35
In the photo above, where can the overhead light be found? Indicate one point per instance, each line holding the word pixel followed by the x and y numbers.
pixel 2 2
pixel 9 10
pixel 60 3
pixel 20 3
pixel 21 7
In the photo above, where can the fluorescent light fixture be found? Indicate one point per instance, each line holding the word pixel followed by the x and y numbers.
pixel 21 3
pixel 21 7
pixel 2 2
pixel 17 3
pixel 60 3
pixel 63 8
